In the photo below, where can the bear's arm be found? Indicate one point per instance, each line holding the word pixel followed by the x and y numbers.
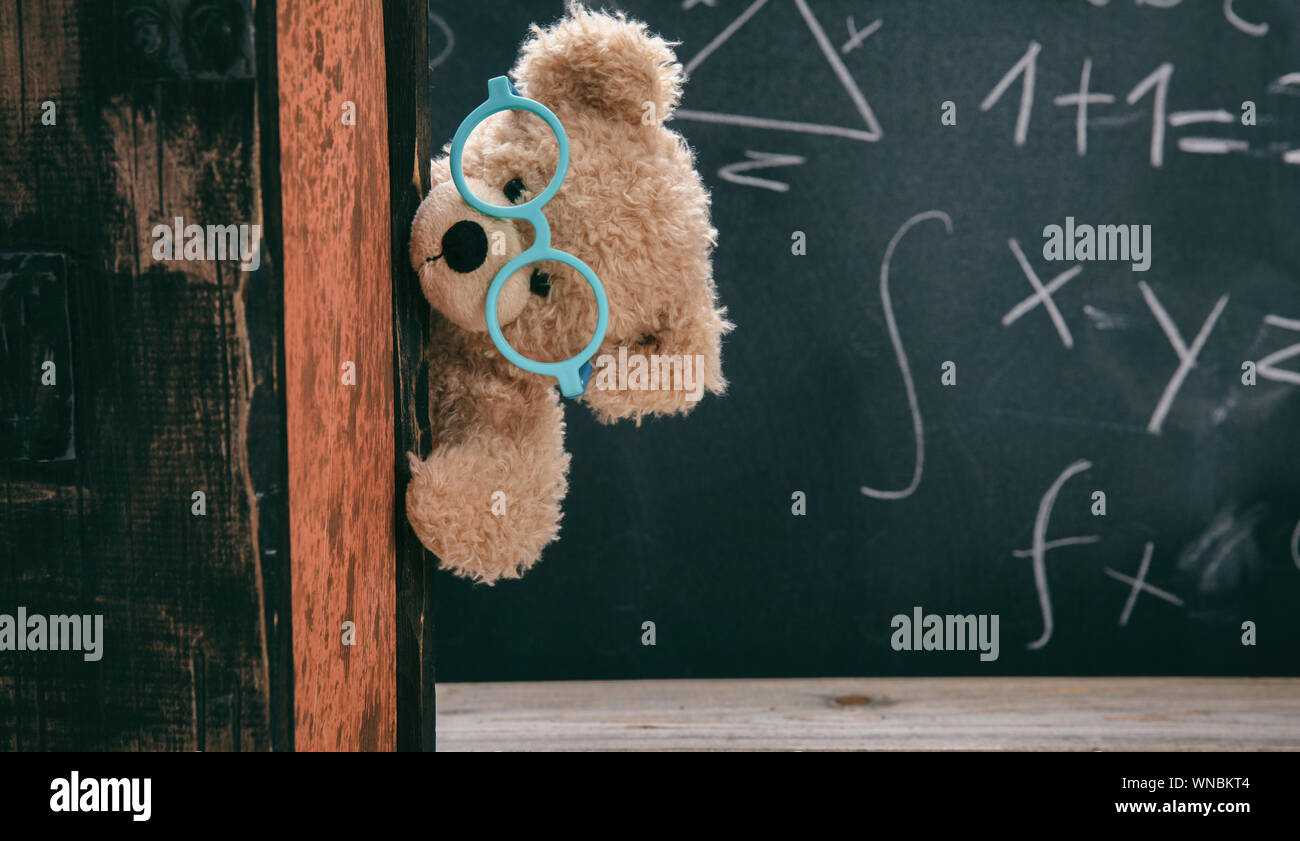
pixel 487 499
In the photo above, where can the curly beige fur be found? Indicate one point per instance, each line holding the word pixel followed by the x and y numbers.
pixel 633 208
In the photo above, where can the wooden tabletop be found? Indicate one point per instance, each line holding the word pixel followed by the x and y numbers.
pixel 1188 714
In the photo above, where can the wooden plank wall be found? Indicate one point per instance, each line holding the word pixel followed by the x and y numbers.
pixel 338 309
pixel 177 382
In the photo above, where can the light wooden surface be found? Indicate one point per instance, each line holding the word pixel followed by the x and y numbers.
pixel 1239 714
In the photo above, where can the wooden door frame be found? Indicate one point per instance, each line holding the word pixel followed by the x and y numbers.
pixel 406 54
pixel 349 192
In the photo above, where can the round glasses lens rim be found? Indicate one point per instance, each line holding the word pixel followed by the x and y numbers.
pixel 573 363
pixel 495 104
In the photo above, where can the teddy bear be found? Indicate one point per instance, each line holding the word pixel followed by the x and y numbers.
pixel 487 499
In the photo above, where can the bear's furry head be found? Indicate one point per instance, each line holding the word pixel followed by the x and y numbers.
pixel 632 207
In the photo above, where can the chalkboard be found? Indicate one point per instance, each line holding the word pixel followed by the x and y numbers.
pixel 924 410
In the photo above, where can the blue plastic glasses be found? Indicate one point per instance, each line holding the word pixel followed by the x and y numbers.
pixel 572 373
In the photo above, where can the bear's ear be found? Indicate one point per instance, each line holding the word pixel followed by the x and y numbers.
pixel 603 62
pixel 440 169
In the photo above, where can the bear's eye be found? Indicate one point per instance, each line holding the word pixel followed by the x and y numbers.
pixel 540 283
pixel 513 189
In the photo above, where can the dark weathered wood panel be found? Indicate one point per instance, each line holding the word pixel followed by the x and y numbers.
pixel 167 371
pixel 44 556
pixel 406 51
pixel 338 308
pixel 35 412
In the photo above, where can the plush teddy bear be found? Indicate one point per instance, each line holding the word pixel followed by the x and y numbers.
pixel 632 207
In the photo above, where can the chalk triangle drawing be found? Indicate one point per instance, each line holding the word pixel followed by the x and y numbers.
pixel 870 135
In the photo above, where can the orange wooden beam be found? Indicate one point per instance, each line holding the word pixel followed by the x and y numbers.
pixel 338 310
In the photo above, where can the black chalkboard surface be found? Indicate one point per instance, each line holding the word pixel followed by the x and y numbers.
pixel 923 408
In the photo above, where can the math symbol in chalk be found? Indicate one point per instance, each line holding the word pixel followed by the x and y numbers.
pixel 436 22
pixel 1154 85
pixel 1186 356
pixel 1157 84
pixel 1140 585
pixel 1025 68
pixel 857 36
pixel 1288 84
pixel 1267 366
pixel 759 160
pixel 1041 545
pixel 1042 295
pixel 918 429
pixel 872 132
pixel 1206 145
pixel 1256 30
pixel 1295 545
pixel 691 4
pixel 1081 101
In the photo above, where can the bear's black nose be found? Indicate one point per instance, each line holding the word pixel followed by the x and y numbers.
pixel 464 246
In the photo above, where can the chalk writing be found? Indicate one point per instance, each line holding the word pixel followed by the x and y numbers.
pixel 1288 83
pixel 1042 294
pixel 1259 30
pixel 1041 546
pixel 1156 84
pixel 1158 81
pixel 441 24
pixel 1025 71
pixel 1140 585
pixel 871 134
pixel 1267 366
pixel 857 36
pixel 1081 101
pixel 759 160
pixel 1178 119
pixel 1186 356
pixel 918 429
pixel 1024 67
pixel 1159 122
pixel 1211 145
pixel 721 37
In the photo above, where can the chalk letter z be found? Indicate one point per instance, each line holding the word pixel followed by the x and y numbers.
pixel 759 160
